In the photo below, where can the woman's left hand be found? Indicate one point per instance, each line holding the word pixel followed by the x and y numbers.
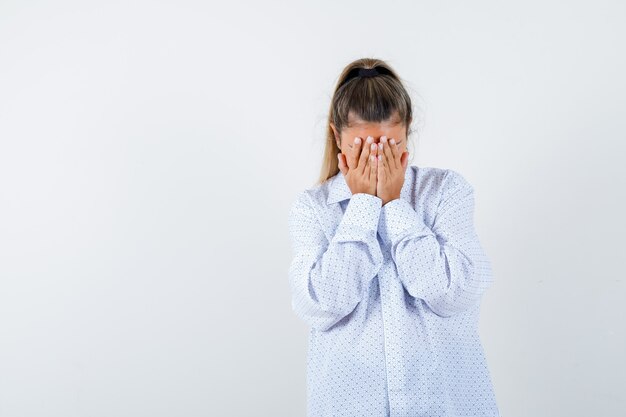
pixel 391 168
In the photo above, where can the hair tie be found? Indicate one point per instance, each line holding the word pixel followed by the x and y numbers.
pixel 365 73
pixel 368 72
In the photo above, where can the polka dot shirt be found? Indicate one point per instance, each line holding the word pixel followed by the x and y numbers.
pixel 392 296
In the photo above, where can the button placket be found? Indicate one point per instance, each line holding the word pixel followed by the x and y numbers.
pixel 394 357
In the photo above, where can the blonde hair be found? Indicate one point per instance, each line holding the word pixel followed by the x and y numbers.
pixel 373 99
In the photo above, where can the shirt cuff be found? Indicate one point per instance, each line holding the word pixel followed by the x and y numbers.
pixel 362 215
pixel 399 219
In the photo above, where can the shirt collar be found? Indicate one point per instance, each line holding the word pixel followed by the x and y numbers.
pixel 338 189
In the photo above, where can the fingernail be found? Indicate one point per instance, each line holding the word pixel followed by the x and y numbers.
pixel 370 139
pixel 373 146
pixel 357 140
pixel 392 141
pixel 380 146
pixel 383 139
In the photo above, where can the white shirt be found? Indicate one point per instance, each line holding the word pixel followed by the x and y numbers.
pixel 392 297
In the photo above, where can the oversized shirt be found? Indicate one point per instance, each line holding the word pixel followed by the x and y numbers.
pixel 392 297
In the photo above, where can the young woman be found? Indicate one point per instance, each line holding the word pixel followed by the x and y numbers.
pixel 388 271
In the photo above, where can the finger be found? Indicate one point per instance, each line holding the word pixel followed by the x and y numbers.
pixel 373 161
pixel 381 154
pixel 395 150
pixel 354 152
pixel 380 173
pixel 372 152
pixel 373 170
pixel 365 153
pixel 387 167
pixel 388 150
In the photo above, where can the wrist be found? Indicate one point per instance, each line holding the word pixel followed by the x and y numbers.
pixel 390 199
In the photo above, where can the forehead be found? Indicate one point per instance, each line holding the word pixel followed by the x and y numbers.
pixel 355 122
pixel 392 127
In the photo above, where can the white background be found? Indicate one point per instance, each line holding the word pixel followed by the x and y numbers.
pixel 149 153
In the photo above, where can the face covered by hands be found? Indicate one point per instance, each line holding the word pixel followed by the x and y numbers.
pixel 376 165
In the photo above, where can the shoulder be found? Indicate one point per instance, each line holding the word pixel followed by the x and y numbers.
pixel 317 194
pixel 311 199
pixel 441 186
pixel 312 195
pixel 438 180
pixel 455 181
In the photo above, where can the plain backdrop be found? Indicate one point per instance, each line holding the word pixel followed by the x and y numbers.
pixel 150 151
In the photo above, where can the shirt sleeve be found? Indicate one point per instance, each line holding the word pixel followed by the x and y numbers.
pixel 445 266
pixel 329 278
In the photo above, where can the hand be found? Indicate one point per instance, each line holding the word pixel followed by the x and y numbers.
pixel 359 166
pixel 391 168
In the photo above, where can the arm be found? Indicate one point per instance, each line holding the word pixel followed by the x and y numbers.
pixel 446 266
pixel 328 279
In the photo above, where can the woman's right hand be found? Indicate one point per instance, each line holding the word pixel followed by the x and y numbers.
pixel 359 167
